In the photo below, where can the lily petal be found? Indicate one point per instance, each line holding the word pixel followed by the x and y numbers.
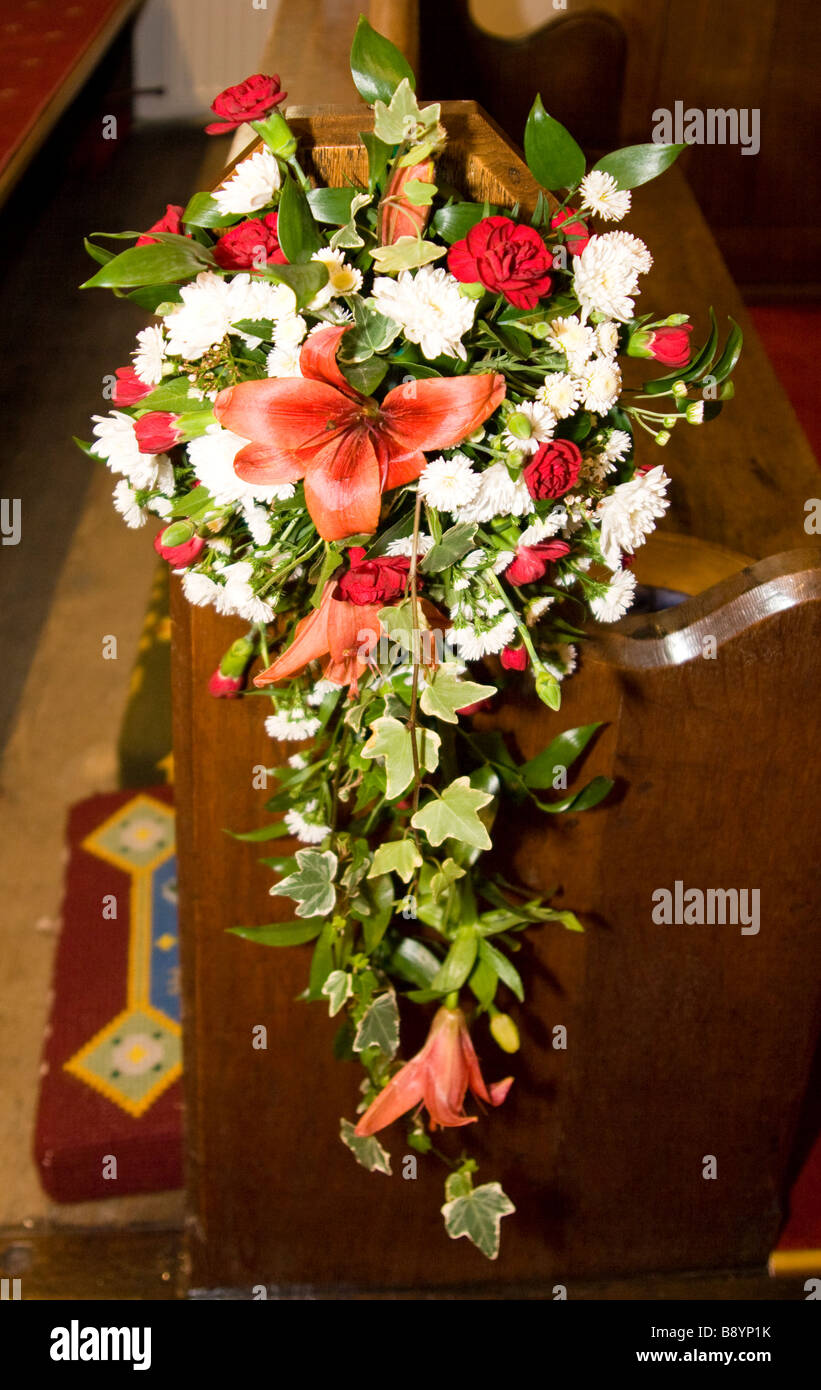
pixel 437 412
pixel 402 1093
pixel 342 490
pixel 288 413
pixel 310 641
pixel 260 463
pixel 405 469
pixel 317 360
pixel 493 1095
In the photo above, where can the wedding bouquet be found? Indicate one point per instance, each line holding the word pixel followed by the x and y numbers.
pixel 386 427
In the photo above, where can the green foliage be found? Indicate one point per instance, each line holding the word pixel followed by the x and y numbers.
pixel 379 1026
pixel 174 258
pixel 446 692
pixel 407 253
pixel 637 164
pixel 297 231
pixel 312 886
pixel 398 857
pixel 475 1212
pixel 393 742
pixel 552 155
pixel 377 66
pixel 279 933
pixel 453 815
pixel 367 1151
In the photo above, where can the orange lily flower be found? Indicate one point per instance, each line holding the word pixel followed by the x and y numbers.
pixel 344 632
pixel 349 448
pixel 439 1077
pixel 398 216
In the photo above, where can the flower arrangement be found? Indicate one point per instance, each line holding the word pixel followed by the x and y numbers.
pixel 386 426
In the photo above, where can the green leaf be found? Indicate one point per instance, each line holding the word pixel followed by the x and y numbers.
pixel 553 157
pixel 540 771
pixel 337 988
pixel 203 210
pixel 377 66
pixel 152 297
pixel 449 692
pixel 305 280
pixel 447 873
pixel 366 1149
pixel 392 741
pixel 399 119
pixel 452 816
pixel 484 981
pixel 732 351
pixel 312 885
pixel 413 961
pixel 151 265
pixel 347 237
pixel 98 253
pixel 455 543
pixel 375 925
pixel 379 1026
pixel 378 155
pixel 275 831
pixel 322 962
pixel 296 229
pixel 195 504
pixel 501 965
pixel 458 962
pixel 331 204
pixel 419 193
pixel 171 394
pixel 396 857
pixel 455 221
pixel 371 333
pixel 637 164
pixel 279 933
pixel 478 1216
pixel 585 800
pixel 406 253
pixel 365 376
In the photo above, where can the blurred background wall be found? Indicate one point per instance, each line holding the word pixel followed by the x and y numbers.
pixel 194 48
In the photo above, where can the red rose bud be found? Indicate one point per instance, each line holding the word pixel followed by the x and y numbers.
pixel 250 100
pixel 554 469
pixel 171 221
pixel 225 687
pixel 576 233
pixel 157 431
pixel 232 672
pixel 128 389
pixel 531 562
pixel 514 658
pixel 373 581
pixel 670 346
pixel 398 216
pixel 478 707
pixel 246 245
pixel 178 543
pixel 507 259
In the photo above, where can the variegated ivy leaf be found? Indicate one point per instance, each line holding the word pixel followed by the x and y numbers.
pixel 453 815
pixel 379 1026
pixel 312 886
pixel 403 120
pixel 448 692
pixel 398 857
pixel 407 253
pixel 478 1215
pixel 446 874
pixel 392 741
pixel 419 192
pixel 348 238
pixel 366 1150
pixel 337 989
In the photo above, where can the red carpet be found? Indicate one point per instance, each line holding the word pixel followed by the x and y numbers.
pixel 792 336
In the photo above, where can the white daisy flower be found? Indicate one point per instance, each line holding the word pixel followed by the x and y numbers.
pixel 212 305
pixel 428 307
pixel 282 361
pixel 606 274
pixel 621 591
pixel 537 607
pixel 405 545
pixel 601 382
pixel 601 194
pixel 497 495
pixel 289 332
pixel 502 559
pixel 537 419
pixel 149 355
pixel 473 643
pixel 629 513
pixel 449 483
pixel 160 506
pixel 616 447
pixel 199 588
pixel 251 186
pixel 317 694
pixel 544 528
pixel 308 831
pixel 237 595
pixel 212 458
pixel 561 661
pixel 343 278
pixel 116 442
pixel 292 725
pixel 125 500
pixel 607 339
pixel 575 339
pixel 561 393
pixel 298 761
pixel 258 522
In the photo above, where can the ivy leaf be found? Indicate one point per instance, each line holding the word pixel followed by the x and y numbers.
pixel 377 66
pixel 419 193
pixel 366 1149
pixel 447 873
pixel 392 741
pixel 348 237
pixel 453 816
pixel 398 857
pixel 553 157
pixel 447 693
pixel 372 333
pixel 455 543
pixel 379 1026
pixel 637 164
pixel 406 253
pixel 401 119
pixel 337 988
pixel 312 886
pixel 478 1216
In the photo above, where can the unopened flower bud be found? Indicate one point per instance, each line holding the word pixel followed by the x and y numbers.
pixel 695 412
pixel 663 437
pixel 178 543
pixel 519 425
pixel 505 1033
pixel 540 330
pixel 679 389
pixel 472 290
pixel 669 421
pixel 675 320
pixel 548 689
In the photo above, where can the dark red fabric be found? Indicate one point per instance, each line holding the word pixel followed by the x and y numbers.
pixel 791 333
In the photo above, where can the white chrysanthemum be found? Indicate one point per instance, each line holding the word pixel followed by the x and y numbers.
pixel 116 442
pixel 258 522
pixel 292 725
pixel 404 546
pixel 298 761
pixel 561 661
pixel 199 588
pixel 473 643
pixel 125 500
pixel 542 423
pixel 621 591
pixel 428 308
pixel 616 447
pixel 497 495
pixel 606 274
pixel 160 506
pixel 502 559
pixel 212 458
pixel 629 513
pixel 607 339
pixel 283 361
pixel 449 483
pixel 561 393
pixel 149 355
pixel 537 607
pixel 317 694
pixel 308 831
pixel 212 305
pixel 251 186
pixel 594 470
pixel 601 382
pixel 343 278
pixel 544 528
pixel 238 597
pixel 289 332
pixel 601 194
pixel 575 339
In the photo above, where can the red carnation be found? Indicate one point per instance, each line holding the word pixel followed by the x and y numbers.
pixel 507 259
pixel 178 555
pixel 225 687
pixel 171 221
pixel 157 431
pixel 554 469
pixel 128 389
pixel 576 233
pixel 240 247
pixel 514 658
pixel 531 561
pixel 671 346
pixel 373 581
pixel 251 100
